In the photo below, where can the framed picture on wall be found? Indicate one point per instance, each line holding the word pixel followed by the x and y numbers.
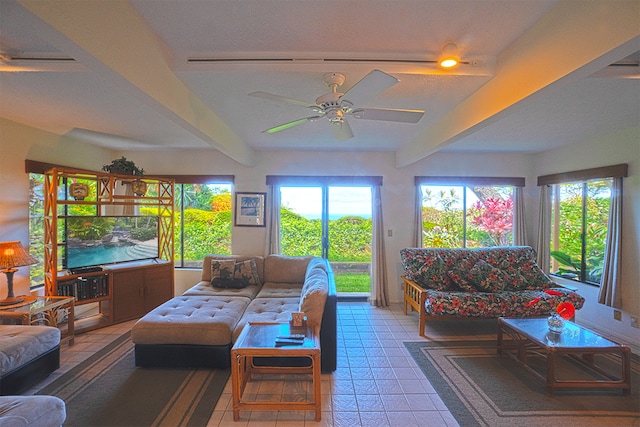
pixel 250 209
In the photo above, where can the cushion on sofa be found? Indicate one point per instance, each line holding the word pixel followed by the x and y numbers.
pixel 32 411
pixel 267 310
pixel 487 278
pixel 285 269
pixel 206 264
pixel 198 320
pixel 247 272
pixel 207 289
pixel 20 344
pixel 314 297
pixel 280 290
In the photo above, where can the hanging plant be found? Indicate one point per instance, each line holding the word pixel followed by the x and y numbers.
pixel 123 166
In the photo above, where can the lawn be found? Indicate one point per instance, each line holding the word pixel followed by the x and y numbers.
pixel 353 282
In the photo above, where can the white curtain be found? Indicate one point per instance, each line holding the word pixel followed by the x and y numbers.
pixel 519 229
pixel 417 220
pixel 610 294
pixel 273 224
pixel 379 288
pixel 544 229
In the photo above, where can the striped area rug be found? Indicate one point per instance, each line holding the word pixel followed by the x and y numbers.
pixel 481 388
pixel 109 390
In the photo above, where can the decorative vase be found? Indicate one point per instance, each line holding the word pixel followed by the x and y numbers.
pixel 556 323
pixel 78 190
pixel 139 187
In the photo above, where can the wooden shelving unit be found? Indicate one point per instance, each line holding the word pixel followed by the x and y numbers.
pixel 113 195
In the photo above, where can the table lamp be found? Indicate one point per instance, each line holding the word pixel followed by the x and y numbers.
pixel 13 255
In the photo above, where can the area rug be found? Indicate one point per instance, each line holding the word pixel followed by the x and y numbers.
pixel 109 390
pixel 481 388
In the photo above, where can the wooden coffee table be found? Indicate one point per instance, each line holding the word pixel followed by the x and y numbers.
pixel 259 340
pixel 531 336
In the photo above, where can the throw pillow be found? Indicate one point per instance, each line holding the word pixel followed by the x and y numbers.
pixel 247 271
pixel 218 282
pixel 222 269
pixel 487 278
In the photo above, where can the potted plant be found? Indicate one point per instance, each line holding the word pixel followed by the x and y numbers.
pixel 123 166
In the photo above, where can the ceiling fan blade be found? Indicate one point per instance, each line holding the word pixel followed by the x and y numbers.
pixel 290 124
pixel 342 131
pixel 388 114
pixel 279 98
pixel 369 87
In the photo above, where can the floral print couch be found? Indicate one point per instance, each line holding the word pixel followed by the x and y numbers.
pixel 479 282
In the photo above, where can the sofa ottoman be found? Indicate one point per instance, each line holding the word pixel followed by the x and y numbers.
pixel 188 331
pixel 32 411
pixel 28 354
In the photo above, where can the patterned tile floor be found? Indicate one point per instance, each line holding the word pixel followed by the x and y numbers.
pixel 376 384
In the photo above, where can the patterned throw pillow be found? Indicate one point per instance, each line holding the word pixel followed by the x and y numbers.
pixel 462 279
pixel 487 278
pixel 247 272
pixel 222 272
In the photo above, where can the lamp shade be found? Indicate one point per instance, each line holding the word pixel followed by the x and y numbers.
pixel 12 255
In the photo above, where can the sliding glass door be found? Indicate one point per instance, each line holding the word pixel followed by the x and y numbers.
pixel 332 222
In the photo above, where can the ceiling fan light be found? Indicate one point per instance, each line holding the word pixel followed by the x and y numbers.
pixel 449 57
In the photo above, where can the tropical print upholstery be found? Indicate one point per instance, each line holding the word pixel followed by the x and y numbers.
pixel 484 282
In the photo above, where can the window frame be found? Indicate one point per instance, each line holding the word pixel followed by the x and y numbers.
pixel 582 177
pixel 464 183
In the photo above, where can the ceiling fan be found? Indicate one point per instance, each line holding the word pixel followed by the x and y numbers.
pixel 337 106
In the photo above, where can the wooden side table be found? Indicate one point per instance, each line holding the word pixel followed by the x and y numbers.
pixel 43 311
pixel 259 340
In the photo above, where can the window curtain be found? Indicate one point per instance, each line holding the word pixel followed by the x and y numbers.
pixel 544 229
pixel 273 222
pixel 379 288
pixel 519 230
pixel 417 235
pixel 610 294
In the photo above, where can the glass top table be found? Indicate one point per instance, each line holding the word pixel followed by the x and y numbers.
pixel 257 342
pixel 521 338
pixel 41 310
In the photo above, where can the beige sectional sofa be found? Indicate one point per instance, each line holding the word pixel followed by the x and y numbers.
pixel 199 327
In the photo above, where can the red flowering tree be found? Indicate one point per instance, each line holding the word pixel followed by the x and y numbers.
pixel 494 216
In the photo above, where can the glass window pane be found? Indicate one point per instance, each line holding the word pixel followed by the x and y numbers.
pixel 566 242
pixel 203 222
pixel 596 223
pixel 36 227
pixel 442 216
pixel 489 216
pixel 301 221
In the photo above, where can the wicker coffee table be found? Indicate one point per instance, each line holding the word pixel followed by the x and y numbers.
pixel 531 336
pixel 258 340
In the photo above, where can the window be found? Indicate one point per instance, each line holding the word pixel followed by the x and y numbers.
pixel 203 222
pixel 580 214
pixel 36 227
pixel 471 214
pixel 576 221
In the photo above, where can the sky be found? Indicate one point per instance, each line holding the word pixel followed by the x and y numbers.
pixel 343 201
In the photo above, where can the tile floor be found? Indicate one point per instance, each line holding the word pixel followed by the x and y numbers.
pixel 376 384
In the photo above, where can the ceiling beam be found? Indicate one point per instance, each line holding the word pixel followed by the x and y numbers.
pixel 572 41
pixel 112 39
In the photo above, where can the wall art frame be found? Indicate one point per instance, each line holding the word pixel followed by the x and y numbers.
pixel 250 209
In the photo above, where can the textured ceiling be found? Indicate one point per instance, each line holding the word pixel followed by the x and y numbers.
pixel 161 74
